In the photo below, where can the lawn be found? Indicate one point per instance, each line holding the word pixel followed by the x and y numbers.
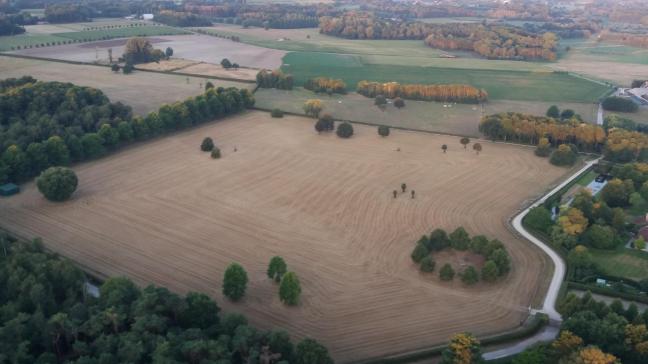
pixel 500 84
pixel 622 262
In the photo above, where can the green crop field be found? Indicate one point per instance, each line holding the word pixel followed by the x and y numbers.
pixel 22 40
pixel 591 50
pixel 141 31
pixel 622 262
pixel 500 84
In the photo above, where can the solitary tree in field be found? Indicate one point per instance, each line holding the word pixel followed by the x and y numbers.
pixel 57 183
pixel 216 153
pixel 290 289
pixel 403 187
pixel 234 282
pixel 168 52
pixel 399 103
pixel 226 63
pixel 395 193
pixel 446 273
pixel 477 148
pixel 380 100
pixel 464 141
pixel 444 148
pixel 413 194
pixel 207 144
pixel 383 130
pixel 277 268
pixel 344 130
pixel 313 107
pixel 115 68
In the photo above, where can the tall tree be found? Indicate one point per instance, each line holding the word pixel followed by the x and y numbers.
pixel 290 289
pixel 235 282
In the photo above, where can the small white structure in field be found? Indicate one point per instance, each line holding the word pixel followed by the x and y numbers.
pixel 147 16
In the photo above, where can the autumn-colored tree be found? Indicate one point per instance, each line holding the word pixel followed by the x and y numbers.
pixel 313 107
pixel 566 343
pixel 443 93
pixel 573 222
pixel 589 355
pixel 464 348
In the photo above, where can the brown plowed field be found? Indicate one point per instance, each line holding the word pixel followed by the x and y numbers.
pixel 166 213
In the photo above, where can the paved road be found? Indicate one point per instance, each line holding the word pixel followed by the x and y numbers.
pixel 599 115
pixel 549 304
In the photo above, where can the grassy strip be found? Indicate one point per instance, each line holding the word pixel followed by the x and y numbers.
pixel 608 292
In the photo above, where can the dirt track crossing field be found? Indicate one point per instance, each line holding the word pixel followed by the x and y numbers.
pixel 166 213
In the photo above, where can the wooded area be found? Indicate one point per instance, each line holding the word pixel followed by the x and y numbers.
pixel 444 93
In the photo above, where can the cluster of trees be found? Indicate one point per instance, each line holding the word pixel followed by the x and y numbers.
pixel 594 332
pixel 325 84
pixel 278 20
pixel 500 42
pixel 277 16
pixel 274 79
pixel 47 124
pixel 626 146
pixel 498 261
pixel 565 30
pixel 531 129
pixel 554 112
pixel 49 318
pixel 181 19
pixel 616 103
pixel 11 24
pixel 616 121
pixel 444 93
pixel 227 64
pixel 496 42
pixel 140 50
pixel 66 13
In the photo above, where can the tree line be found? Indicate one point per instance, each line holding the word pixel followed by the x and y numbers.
pixel 498 261
pixel 181 19
pixel 444 93
pixel 274 79
pixel 67 13
pixel 325 84
pixel 11 24
pixel 46 124
pixel 491 41
pixel 48 317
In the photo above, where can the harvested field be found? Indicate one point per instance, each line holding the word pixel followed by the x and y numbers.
pixel 202 48
pixel 216 70
pixel 164 212
pixel 166 65
pixel 144 91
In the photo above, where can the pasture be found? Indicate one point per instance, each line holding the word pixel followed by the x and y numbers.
pixel 163 212
pixel 622 262
pixel 500 84
pixel 144 91
pixel 457 119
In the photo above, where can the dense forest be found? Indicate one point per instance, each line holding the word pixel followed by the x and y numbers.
pixel 67 13
pixel 445 93
pixel 47 317
pixel 181 19
pixel 11 24
pixel 491 41
pixel 530 129
pixel 45 124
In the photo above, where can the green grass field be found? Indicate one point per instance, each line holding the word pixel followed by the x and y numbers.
pixel 500 84
pixel 605 52
pixel 622 262
pixel 22 40
pixel 141 31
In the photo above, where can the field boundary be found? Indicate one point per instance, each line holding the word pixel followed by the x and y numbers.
pixel 4 54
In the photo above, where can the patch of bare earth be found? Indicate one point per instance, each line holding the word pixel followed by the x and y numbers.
pixel 163 212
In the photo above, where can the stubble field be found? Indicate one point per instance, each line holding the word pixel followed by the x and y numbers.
pixel 166 213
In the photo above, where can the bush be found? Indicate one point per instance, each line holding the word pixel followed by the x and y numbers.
pixel 216 153
pixel 563 156
pixel 57 183
pixel 470 276
pixel 383 130
pixel 344 130
pixel 446 273
pixel 427 264
pixel 277 113
pixel 207 144
pixel 623 104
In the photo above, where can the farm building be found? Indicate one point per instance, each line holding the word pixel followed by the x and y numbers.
pixel 9 189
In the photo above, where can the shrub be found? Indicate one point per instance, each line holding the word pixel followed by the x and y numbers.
pixel 616 103
pixel 446 273
pixel 277 113
pixel 383 130
pixel 427 264
pixel 216 153
pixel 207 144
pixel 470 276
pixel 57 183
pixel 563 156
pixel 344 130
